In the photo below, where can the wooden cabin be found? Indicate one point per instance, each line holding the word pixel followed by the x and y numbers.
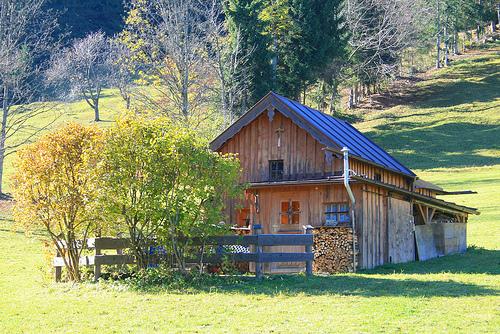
pixel 300 165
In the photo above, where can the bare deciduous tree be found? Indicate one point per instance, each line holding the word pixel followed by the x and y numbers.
pixel 174 35
pixel 380 31
pixel 83 69
pixel 25 40
pixel 122 72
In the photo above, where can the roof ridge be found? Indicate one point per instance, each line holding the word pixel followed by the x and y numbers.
pixel 324 113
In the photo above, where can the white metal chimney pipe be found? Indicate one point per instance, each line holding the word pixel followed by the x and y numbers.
pixel 345 150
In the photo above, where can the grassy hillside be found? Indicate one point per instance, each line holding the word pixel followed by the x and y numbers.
pixel 110 106
pixel 447 130
pixel 451 119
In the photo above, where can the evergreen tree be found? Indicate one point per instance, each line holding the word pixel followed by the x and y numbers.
pixel 243 18
pixel 311 37
pixel 293 41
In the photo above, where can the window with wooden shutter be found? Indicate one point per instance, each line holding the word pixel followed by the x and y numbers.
pixel 336 213
pixel 290 212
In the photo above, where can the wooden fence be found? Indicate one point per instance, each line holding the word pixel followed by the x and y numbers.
pixel 255 253
pixel 98 259
pixel 256 242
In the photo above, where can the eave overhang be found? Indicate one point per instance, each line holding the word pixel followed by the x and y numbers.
pixel 431 201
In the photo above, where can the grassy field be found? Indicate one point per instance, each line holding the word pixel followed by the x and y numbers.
pixel 449 132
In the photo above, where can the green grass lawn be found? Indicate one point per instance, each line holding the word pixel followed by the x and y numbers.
pixel 449 133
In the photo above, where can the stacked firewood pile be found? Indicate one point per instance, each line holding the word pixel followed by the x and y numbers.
pixel 333 250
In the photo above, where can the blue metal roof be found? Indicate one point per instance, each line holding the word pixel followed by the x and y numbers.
pixel 345 135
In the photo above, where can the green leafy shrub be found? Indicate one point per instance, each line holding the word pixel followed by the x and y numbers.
pixel 166 185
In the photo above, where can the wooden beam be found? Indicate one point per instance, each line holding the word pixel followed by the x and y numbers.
pixel 256 257
pixel 286 257
pixel 285 240
pixel 432 202
pixel 439 208
pixel 431 215
pixel 108 243
pixel 424 217
pixel 98 260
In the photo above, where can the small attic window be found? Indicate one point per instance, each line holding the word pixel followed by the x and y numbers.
pixel 275 170
pixel 377 177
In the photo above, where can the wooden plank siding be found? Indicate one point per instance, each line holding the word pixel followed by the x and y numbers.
pixel 303 156
pixel 306 158
pixel 371 212
pixel 426 192
pixel 400 237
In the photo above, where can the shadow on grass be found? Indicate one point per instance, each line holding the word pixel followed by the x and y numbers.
pixel 470 80
pixel 350 118
pixel 448 94
pixel 446 145
pixel 476 260
pixel 365 283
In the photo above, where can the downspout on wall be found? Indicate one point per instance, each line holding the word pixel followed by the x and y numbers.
pixel 345 151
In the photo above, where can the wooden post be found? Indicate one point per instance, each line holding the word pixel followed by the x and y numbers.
pixel 308 230
pixel 97 266
pixel 257 230
pixel 58 269
pixel 119 251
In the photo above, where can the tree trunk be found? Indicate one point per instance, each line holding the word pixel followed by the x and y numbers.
pixel 455 43
pixel 127 103
pixel 3 132
pixel 438 37
pixel 74 259
pixel 274 61
pixel 2 158
pixel 446 47
pixel 185 68
pixel 184 95
pixel 96 110
pixel 331 106
pixel 356 93
pixel 322 96
pixel 350 101
pixel 438 51
pixel 498 12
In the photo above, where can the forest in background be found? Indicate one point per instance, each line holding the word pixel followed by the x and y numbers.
pixel 79 18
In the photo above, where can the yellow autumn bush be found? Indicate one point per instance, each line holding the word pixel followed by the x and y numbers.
pixel 56 186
